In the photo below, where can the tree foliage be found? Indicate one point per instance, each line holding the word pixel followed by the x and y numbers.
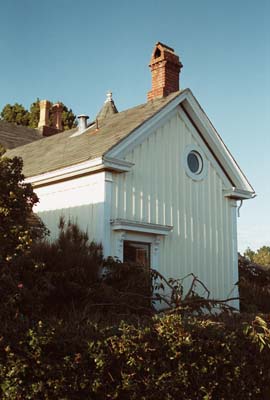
pixel 260 256
pixel 68 118
pixel 34 114
pixel 16 202
pixel 19 115
pixel 15 113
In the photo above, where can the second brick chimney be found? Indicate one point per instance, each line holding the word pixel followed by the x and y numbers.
pixel 45 126
pixel 165 67
pixel 57 110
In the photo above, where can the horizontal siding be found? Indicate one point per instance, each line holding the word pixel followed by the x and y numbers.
pixel 158 190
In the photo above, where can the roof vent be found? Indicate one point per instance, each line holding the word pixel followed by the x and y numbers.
pixel 82 122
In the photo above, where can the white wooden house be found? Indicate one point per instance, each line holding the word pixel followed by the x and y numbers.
pixel 155 183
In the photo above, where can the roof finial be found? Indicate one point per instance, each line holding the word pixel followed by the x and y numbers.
pixel 108 109
pixel 109 97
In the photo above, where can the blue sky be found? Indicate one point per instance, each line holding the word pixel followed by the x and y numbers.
pixel 75 51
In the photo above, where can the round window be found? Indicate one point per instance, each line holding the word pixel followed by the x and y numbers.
pixel 194 162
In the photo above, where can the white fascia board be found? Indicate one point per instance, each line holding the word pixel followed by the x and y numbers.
pixel 238 194
pixel 85 167
pixel 216 144
pixel 145 227
pixel 141 133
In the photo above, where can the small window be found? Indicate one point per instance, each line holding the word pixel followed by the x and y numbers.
pixel 195 162
pixel 137 253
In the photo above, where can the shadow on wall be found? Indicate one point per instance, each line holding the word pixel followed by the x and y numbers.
pixel 88 217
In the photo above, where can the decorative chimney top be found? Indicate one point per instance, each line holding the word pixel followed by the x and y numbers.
pixel 165 68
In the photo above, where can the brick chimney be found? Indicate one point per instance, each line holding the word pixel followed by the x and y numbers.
pixel 165 68
pixel 44 125
pixel 44 118
pixel 57 116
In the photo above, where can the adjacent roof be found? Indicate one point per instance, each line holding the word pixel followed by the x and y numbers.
pixel 12 135
pixel 65 149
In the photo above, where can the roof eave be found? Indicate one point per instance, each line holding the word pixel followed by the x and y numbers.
pixel 91 166
pixel 238 194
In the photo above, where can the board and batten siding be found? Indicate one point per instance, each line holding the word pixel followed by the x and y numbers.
pixel 158 190
pixel 80 200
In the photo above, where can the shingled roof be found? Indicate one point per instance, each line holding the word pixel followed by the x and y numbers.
pixel 70 148
pixel 12 135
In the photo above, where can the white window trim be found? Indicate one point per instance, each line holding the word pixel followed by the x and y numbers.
pixel 142 232
pixel 151 239
pixel 194 148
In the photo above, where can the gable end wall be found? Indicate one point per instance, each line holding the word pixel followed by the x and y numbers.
pixel 158 190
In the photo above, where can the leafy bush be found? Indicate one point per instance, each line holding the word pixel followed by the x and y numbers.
pixel 254 286
pixel 166 357
pixel 16 202
pixel 53 278
pixel 69 276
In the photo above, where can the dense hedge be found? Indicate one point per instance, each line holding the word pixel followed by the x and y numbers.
pixel 62 334
pixel 254 286
pixel 164 357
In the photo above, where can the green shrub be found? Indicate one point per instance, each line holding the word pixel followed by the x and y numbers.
pixel 254 286
pixel 61 335
pixel 69 276
pixel 16 202
pixel 53 278
pixel 165 357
